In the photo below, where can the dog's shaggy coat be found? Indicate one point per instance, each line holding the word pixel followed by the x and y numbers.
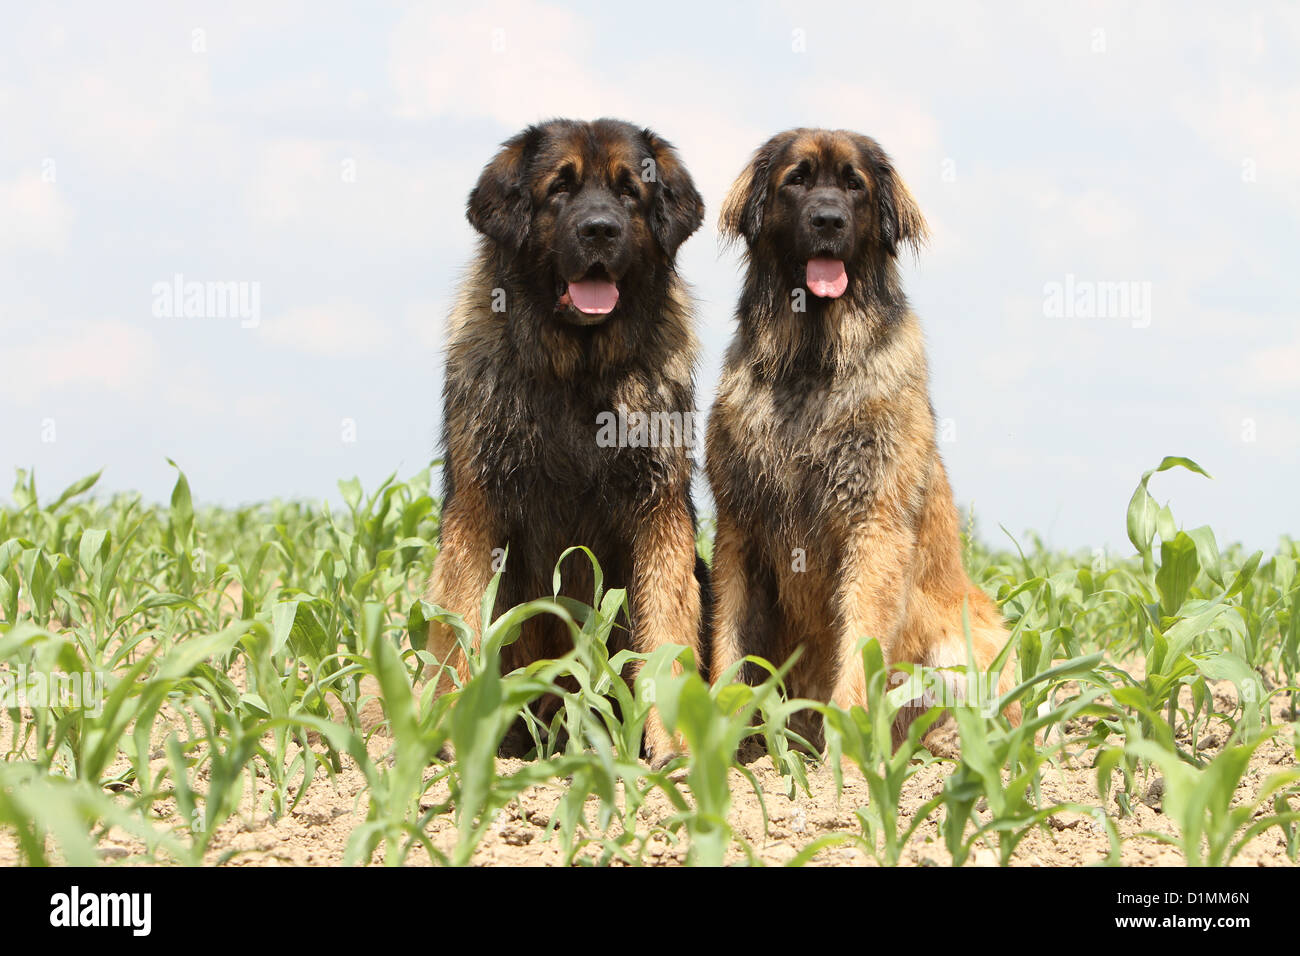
pixel 534 357
pixel 835 518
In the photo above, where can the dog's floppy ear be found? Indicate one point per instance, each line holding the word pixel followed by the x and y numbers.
pixel 500 206
pixel 742 210
pixel 899 216
pixel 678 208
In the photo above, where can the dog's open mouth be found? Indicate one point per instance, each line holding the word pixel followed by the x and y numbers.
pixel 594 295
pixel 826 278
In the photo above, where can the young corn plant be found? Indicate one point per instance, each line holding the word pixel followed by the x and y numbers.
pixel 866 738
pixel 1213 827
pixel 232 645
pixel 1190 637
pixel 1002 765
pixel 713 721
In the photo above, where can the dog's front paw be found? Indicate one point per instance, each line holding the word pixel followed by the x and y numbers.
pixel 661 746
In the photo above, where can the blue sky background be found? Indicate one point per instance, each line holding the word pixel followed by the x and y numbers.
pixel 325 152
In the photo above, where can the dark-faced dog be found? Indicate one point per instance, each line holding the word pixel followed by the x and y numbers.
pixel 572 312
pixel 835 518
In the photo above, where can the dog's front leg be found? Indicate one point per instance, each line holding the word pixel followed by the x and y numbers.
pixel 665 602
pixel 872 596
pixel 731 598
pixel 461 573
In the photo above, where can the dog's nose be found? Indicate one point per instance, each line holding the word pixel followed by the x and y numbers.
pixel 828 219
pixel 596 228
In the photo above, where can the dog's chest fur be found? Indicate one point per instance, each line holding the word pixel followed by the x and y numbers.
pixel 808 445
pixel 544 435
pixel 534 439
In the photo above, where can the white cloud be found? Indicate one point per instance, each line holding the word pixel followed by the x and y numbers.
pixel 1255 130
pixel 106 356
pixel 1276 368
pixel 131 104
pixel 515 62
pixel 35 216
pixel 425 324
pixel 314 188
pixel 205 394
pixel 334 330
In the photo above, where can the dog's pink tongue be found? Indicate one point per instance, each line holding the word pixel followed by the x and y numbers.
pixel 593 296
pixel 827 278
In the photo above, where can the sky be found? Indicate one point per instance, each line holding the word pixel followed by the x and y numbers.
pixel 1113 192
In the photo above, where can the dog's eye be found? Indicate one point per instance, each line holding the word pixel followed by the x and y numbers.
pixel 558 186
pixel 796 178
pixel 855 182
pixel 629 191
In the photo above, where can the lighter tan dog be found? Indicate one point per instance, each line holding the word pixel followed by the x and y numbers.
pixel 835 518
